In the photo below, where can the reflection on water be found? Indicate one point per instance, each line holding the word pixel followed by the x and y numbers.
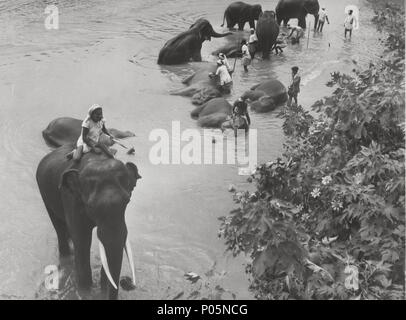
pixel 172 218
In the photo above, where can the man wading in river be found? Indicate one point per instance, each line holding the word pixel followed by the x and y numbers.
pixel 294 87
pixel 224 77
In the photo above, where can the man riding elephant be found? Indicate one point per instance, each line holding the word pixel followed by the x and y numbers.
pixel 66 130
pixel 93 194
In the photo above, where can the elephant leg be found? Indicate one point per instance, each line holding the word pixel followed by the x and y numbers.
pixel 82 240
pixel 230 23
pixel 197 56
pixel 302 21
pixel 241 25
pixel 285 22
pixel 61 232
pixel 252 24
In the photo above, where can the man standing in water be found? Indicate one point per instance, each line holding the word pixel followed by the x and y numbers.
pixel 348 24
pixel 224 77
pixel 252 43
pixel 294 87
pixel 322 18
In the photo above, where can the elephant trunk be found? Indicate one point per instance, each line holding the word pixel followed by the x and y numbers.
pixel 214 34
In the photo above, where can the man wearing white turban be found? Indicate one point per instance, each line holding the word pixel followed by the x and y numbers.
pixel 92 128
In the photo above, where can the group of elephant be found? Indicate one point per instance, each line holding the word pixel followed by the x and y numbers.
pixel 213 109
pixel 95 192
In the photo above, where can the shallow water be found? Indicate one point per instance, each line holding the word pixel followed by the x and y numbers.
pixel 172 218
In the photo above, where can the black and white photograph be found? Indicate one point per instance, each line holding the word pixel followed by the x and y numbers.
pixel 202 150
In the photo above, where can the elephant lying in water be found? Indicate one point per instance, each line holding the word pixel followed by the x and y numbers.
pixel 199 86
pixel 67 130
pixel 213 113
pixel 186 46
pixel 267 95
pixel 94 193
pixel 216 113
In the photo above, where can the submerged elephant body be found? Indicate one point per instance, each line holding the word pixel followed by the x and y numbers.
pixel 213 113
pixel 186 46
pixel 67 130
pixel 94 193
pixel 297 9
pixel 267 33
pixel 267 95
pixel 240 13
pixel 200 87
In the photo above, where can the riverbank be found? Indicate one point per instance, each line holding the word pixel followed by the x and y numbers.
pixel 326 220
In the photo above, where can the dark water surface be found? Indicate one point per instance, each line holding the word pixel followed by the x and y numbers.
pixel 172 218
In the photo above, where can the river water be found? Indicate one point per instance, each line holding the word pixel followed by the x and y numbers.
pixel 172 217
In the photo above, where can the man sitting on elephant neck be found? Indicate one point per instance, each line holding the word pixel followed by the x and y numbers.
pixel 92 128
pixel 240 109
pixel 224 77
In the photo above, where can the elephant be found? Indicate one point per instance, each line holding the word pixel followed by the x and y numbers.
pixel 200 87
pixel 299 9
pixel 266 96
pixel 67 130
pixel 213 113
pixel 186 46
pixel 240 13
pixel 79 197
pixel 232 47
pixel 267 32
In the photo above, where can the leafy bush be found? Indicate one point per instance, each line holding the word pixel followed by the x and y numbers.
pixel 327 219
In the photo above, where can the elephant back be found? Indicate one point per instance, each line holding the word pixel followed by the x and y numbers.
pixel 216 105
pixel 274 89
pixel 61 131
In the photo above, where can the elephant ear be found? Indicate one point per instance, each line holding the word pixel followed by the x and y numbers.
pixel 133 173
pixel 70 181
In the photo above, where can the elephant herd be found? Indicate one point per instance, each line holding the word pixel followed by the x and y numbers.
pixel 95 192
pixel 186 47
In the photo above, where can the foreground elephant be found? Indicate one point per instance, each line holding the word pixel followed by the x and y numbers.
pixel 67 130
pixel 199 86
pixel 267 95
pixel 213 113
pixel 297 9
pixel 267 33
pixel 186 46
pixel 93 194
pixel 240 13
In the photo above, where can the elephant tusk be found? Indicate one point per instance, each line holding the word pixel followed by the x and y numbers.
pixel 103 258
pixel 129 253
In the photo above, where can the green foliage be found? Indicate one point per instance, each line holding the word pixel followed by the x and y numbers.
pixel 327 219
